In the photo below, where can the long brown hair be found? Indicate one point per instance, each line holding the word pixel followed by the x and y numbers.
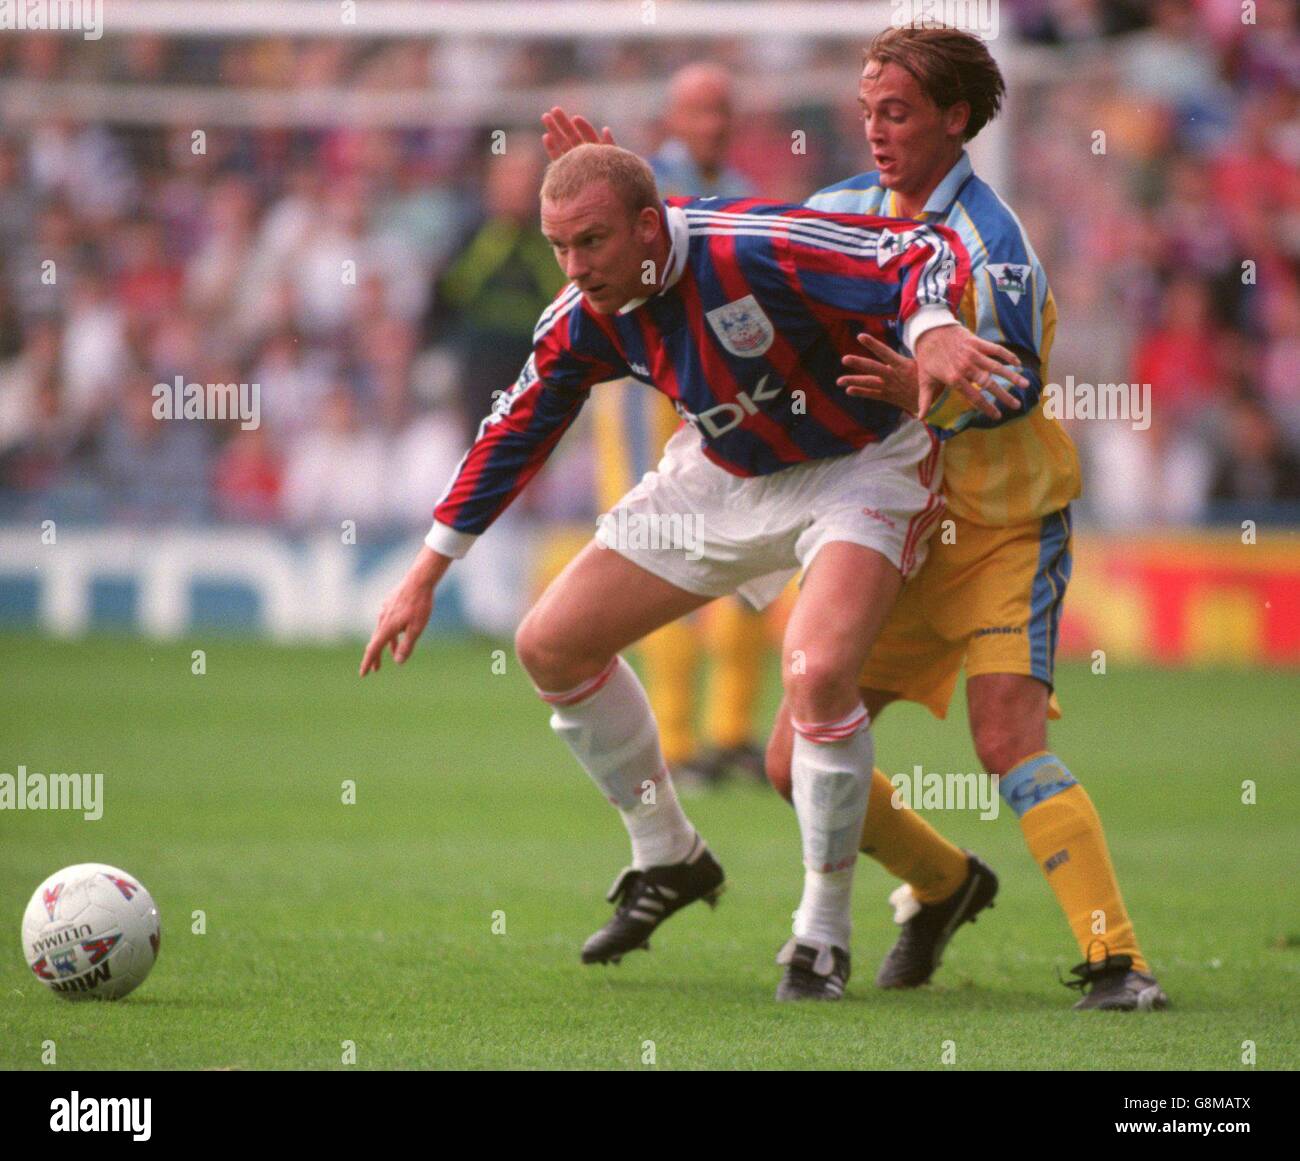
pixel 948 64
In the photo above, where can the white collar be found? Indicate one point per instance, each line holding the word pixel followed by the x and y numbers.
pixel 678 245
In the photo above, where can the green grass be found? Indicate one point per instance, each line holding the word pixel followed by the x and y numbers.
pixel 373 922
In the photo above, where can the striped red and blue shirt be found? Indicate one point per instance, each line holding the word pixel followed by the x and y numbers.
pixel 745 336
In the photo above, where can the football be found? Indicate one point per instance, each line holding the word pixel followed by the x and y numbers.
pixel 91 932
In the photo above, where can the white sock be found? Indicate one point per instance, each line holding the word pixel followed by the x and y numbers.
pixel 608 724
pixel 659 829
pixel 825 914
pixel 831 775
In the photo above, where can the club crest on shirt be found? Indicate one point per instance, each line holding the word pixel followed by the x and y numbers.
pixel 1011 279
pixel 742 327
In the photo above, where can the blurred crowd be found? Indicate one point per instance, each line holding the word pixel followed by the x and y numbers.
pixel 380 285
pixel 1174 251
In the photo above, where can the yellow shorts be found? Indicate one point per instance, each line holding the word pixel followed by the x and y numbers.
pixel 986 597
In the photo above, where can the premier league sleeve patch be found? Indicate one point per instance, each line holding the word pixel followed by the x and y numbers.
pixel 890 244
pixel 1011 279
pixel 742 327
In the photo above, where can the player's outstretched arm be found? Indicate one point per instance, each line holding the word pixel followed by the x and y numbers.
pixel 564 133
pixel 406 611
pixel 951 356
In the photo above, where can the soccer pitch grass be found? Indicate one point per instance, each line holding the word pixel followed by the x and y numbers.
pixel 373 923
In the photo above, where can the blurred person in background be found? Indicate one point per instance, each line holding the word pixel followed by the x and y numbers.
pixel 378 348
pixel 1252 171
pixel 295 379
pixel 17 199
pixel 484 307
pixel 86 166
pixel 334 471
pixel 1172 62
pixel 1162 474
pixel 30 428
pixel 11 330
pixel 39 268
pixel 495 285
pixel 1074 21
pixel 215 276
pixel 423 444
pixel 331 257
pixel 95 350
pixel 269 301
pixel 1199 236
pixel 1279 364
pixel 153 471
pixel 247 478
pixel 699 124
pixel 146 281
pixel 1254 466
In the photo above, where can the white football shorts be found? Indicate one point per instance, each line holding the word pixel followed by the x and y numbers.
pixel 706 531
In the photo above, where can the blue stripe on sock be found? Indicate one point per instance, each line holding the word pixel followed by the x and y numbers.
pixel 1034 781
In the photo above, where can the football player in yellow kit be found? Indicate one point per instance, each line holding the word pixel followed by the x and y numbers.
pixel 990 595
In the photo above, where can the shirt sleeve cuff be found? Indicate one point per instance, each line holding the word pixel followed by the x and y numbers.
pixel 446 540
pixel 926 318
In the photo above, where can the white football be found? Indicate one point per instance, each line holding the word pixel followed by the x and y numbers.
pixel 91 932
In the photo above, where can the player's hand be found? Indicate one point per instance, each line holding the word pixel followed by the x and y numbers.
pixel 951 356
pixel 889 377
pixel 406 611
pixel 564 133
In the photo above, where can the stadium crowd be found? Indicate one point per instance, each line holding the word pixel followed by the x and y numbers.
pixel 379 284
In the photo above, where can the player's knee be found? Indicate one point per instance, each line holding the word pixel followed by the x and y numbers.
pixel 777 762
pixel 553 657
pixel 816 688
pixel 541 653
pixel 1001 745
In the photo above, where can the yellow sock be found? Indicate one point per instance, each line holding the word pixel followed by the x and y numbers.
pixel 908 847
pixel 1064 834
pixel 670 656
pixel 736 639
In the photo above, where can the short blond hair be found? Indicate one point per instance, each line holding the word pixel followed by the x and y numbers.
pixel 629 176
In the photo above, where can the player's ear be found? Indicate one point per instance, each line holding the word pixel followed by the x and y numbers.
pixel 647 225
pixel 956 117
